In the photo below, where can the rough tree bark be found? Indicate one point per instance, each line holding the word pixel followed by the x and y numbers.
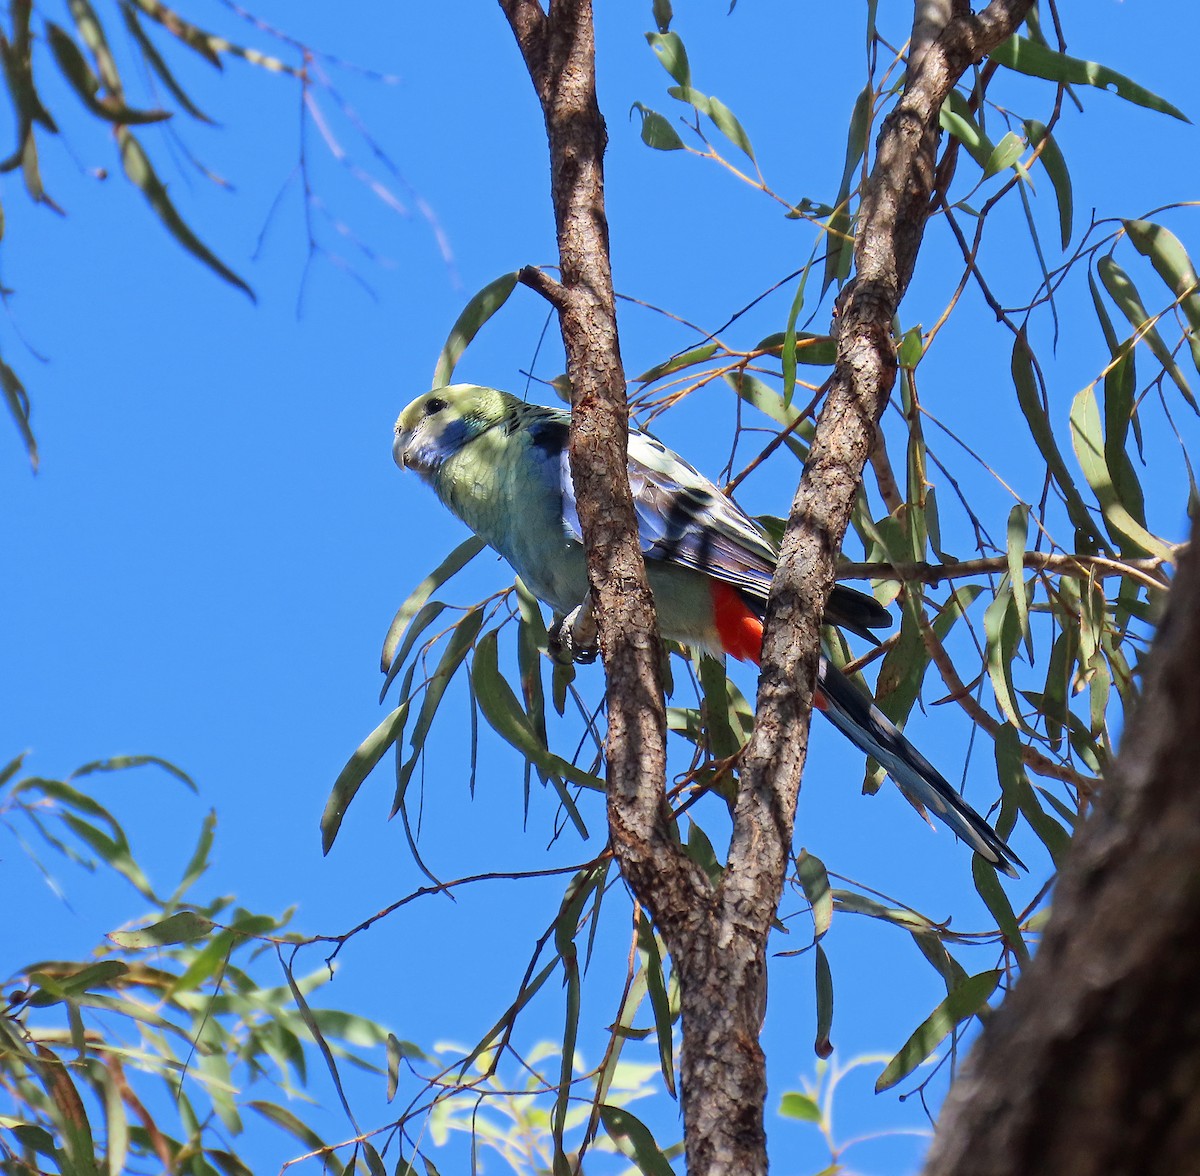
pixel 717 938
pixel 1091 1067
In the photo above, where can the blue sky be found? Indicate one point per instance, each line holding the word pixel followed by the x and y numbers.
pixel 207 561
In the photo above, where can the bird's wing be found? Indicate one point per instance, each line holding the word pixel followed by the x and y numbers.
pixel 684 519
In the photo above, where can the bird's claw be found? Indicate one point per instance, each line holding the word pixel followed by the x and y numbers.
pixel 573 638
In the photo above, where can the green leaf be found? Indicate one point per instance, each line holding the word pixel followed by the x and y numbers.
pixel 700 849
pixel 60 987
pixel 1002 632
pixel 140 172
pixel 375 1164
pixel 69 1114
pixel 759 395
pixel 1043 434
pixel 155 60
pixel 729 126
pixel 1018 539
pixel 720 723
pixel 677 363
pixel 795 1105
pixel 633 1139
pixel 209 46
pixel 822 1046
pixel 964 1002
pixel 987 884
pixel 656 988
pixel 92 32
pixel 11 768
pixel 528 991
pixel 182 927
pixel 1102 315
pixel 956 117
pixel 358 767
pixel 815 881
pixel 902 670
pixel 116 1125
pixel 18 406
pixel 566 926
pixel 656 131
pixel 672 55
pixel 787 354
pixel 1051 158
pixel 394 1058
pixel 112 849
pixel 300 1130
pixel 1040 61
pixel 862 904
pixel 911 348
pixel 531 640
pixel 508 719
pixel 1004 154
pixel 208 963
pixel 1090 450
pixel 122 763
pixel 87 86
pixel 32 175
pixel 37 1139
pixel 694 98
pixel 458 559
pixel 198 863
pixel 1015 782
pixel 1059 674
pixel 839 244
pixel 1125 294
pixel 930 945
pixel 818 350
pixel 477 312
pixel 1120 407
pixel 457 648
pixel 1171 262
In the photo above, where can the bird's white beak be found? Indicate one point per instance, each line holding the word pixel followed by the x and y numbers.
pixel 400 447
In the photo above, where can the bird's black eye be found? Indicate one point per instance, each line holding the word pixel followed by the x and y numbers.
pixel 433 405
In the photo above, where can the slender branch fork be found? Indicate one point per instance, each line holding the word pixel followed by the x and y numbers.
pixel 717 938
pixel 1147 569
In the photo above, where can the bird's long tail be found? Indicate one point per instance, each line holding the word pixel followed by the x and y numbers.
pixel 870 730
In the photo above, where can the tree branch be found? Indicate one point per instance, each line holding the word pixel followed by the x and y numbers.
pixel 930 17
pixel 559 53
pixel 892 219
pixel 1148 570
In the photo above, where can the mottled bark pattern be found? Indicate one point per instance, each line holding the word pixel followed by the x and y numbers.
pixel 559 53
pixel 892 218
pixel 717 939
pixel 1092 1065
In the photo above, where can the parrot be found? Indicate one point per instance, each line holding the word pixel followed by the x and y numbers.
pixel 500 465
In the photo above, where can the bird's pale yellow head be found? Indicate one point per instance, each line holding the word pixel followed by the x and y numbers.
pixel 440 422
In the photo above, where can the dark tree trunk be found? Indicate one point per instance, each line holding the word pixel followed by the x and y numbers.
pixel 1092 1066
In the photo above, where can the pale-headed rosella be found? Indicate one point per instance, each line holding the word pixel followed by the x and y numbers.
pixel 501 466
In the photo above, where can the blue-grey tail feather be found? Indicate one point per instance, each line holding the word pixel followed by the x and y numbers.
pixel 866 726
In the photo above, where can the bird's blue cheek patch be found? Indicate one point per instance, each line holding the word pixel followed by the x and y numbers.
pixel 453 436
pixel 431 450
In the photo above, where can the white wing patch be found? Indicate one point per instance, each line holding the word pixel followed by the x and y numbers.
pixel 684 519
